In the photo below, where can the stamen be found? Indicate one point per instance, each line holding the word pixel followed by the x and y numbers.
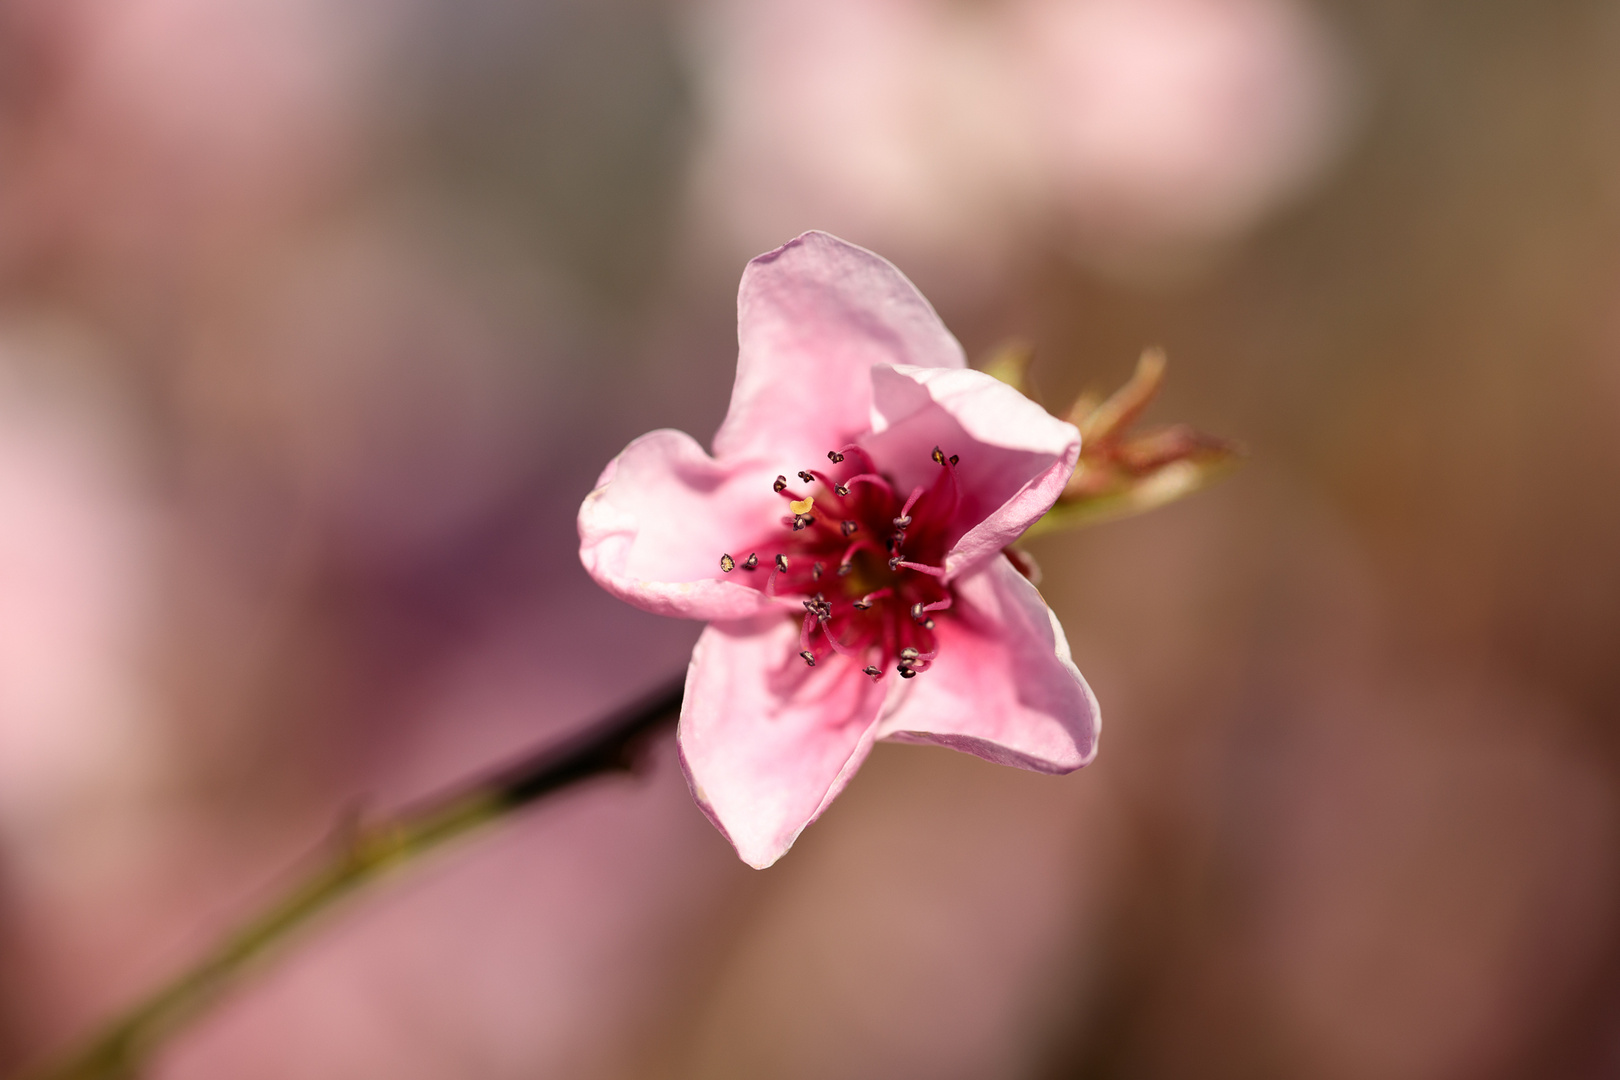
pixel 903 522
pixel 751 562
pixel 809 657
pixel 868 478
pixel 905 511
pixel 872 671
pixel 824 478
pixel 853 449
pixel 841 490
pixel 938 455
pixel 866 601
pixel 838 646
pixel 802 521
pixel 779 485
pixel 913 661
pixel 834 456
pixel 905 672
pixel 949 478
pixel 955 459
pixel 924 568
pixel 817 570
pixel 727 564
pixel 848 527
pixel 781 563
pixel 807 477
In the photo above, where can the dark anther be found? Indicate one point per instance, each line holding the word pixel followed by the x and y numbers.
pixel 938 456
pixel 928 624
pixel 781 563
pixel 849 527
pixel 817 570
pixel 954 459
pixel 917 611
pixel 841 489
pixel 906 673
pixel 834 456
pixel 862 604
pixel 809 657
pixel 844 568
pixel 903 523
pixel 780 484
pixel 727 563
pixel 751 562
pixel 801 521
pixel 908 655
pixel 894 562
pixel 872 671
pixel 806 477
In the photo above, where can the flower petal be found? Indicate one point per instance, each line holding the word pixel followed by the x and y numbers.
pixel 661 516
pixel 813 316
pixel 1004 686
pixel 1015 456
pixel 767 742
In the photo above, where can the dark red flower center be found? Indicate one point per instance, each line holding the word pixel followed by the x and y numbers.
pixel 866 560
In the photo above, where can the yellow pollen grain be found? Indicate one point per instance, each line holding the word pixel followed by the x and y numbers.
pixel 801 506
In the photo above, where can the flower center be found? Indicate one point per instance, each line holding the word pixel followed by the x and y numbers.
pixel 866 561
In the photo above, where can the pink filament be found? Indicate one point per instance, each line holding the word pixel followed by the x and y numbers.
pixel 838 647
pixel 853 449
pixel 916 494
pixel 879 595
pixel 870 478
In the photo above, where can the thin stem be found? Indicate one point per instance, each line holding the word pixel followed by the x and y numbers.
pixel 121 1047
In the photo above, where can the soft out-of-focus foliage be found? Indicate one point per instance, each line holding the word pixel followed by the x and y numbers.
pixel 316 321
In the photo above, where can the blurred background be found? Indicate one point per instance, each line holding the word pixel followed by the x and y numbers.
pixel 318 320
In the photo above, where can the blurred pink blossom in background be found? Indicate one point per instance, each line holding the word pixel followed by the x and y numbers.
pixel 1136 134
pixel 318 321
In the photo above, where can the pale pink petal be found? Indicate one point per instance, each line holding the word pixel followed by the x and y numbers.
pixel 660 518
pixel 813 316
pixel 1003 686
pixel 1015 456
pixel 767 742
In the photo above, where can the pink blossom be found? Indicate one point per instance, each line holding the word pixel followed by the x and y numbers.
pixel 845 541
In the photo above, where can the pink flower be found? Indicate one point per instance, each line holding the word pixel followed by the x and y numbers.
pixel 845 542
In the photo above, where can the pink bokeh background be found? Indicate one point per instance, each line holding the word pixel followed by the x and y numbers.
pixel 317 321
